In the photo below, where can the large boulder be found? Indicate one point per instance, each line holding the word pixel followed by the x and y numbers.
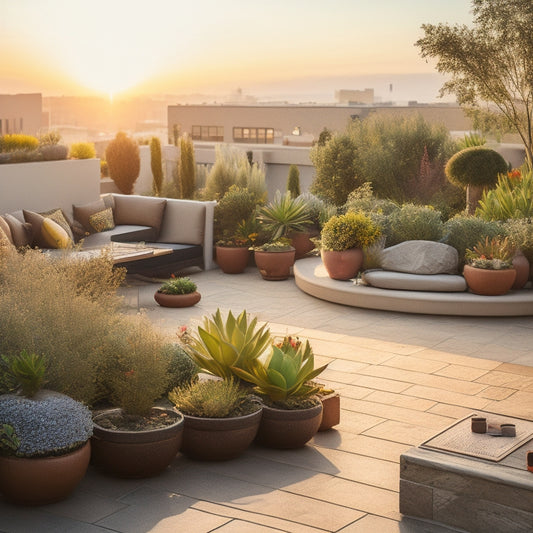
pixel 420 257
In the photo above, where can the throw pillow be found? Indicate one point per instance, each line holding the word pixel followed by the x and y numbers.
pixel 102 221
pixel 36 222
pixel 54 235
pixel 83 212
pixel 5 242
pixel 57 215
pixel 20 231
pixel 4 226
pixel 139 211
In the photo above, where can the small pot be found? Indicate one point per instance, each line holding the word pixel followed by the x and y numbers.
pixel 177 300
pixel 343 265
pixel 274 266
pixel 489 282
pixel 232 259
pixel 331 412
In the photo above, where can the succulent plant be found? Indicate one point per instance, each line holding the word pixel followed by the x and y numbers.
pixel 178 286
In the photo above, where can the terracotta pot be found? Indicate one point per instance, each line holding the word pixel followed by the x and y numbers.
pixel 342 265
pixel 42 480
pixel 136 454
pixel 274 266
pixel 302 243
pixel 489 282
pixel 521 265
pixel 287 429
pixel 219 439
pixel 232 260
pixel 331 411
pixel 177 300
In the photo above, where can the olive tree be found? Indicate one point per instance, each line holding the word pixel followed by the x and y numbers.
pixel 490 64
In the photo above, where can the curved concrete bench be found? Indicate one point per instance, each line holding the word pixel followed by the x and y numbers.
pixel 312 278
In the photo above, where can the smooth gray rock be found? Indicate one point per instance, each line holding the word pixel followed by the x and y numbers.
pixel 420 257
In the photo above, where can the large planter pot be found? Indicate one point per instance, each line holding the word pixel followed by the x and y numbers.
pixel 302 243
pixel 42 480
pixel 136 454
pixel 521 265
pixel 177 300
pixel 288 428
pixel 342 265
pixel 219 439
pixel 331 411
pixel 232 260
pixel 274 266
pixel 489 282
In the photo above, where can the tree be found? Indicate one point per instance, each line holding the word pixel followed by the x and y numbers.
pixel 156 165
pixel 491 63
pixel 123 162
pixel 293 181
pixel 186 168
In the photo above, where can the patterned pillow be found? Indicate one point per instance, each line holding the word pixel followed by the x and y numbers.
pixel 103 220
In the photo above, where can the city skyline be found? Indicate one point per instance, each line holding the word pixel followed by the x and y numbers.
pixel 171 47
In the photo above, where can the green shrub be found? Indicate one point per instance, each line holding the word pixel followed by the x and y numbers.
pixel 293 181
pixel 414 222
pixel 236 205
pixel 13 142
pixel 186 168
pixel 463 232
pixel 231 167
pixel 178 286
pixel 520 232
pixel 82 150
pixel 156 165
pixel 123 162
pixel 181 369
pixel 352 230
pixel 50 138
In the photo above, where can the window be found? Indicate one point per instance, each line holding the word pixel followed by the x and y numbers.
pixel 208 133
pixel 253 135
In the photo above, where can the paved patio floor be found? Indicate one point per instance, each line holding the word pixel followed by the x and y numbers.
pixel 402 379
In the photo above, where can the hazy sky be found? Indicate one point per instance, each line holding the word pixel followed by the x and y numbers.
pixel 183 46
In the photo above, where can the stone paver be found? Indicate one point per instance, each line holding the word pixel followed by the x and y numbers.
pixel 402 378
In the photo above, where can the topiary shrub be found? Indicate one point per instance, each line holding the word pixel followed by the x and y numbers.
pixel 82 150
pixel 293 181
pixel 474 169
pixel 414 222
pixel 156 165
pixel 123 162
pixel 236 205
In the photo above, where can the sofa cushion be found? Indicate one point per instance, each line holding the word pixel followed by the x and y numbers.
pixel 102 221
pixel 414 282
pixel 4 226
pixel 82 213
pixel 140 211
pixel 59 216
pixel 118 234
pixel 54 235
pixel 420 257
pixel 5 241
pixel 20 231
pixel 36 221
pixel 184 223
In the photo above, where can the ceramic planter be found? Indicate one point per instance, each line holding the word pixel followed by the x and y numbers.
pixel 177 300
pixel 302 243
pixel 331 411
pixel 489 282
pixel 521 265
pixel 274 266
pixel 342 265
pixel 232 260
pixel 136 454
pixel 288 428
pixel 42 480
pixel 219 439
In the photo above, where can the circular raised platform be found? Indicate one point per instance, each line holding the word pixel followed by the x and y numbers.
pixel 312 278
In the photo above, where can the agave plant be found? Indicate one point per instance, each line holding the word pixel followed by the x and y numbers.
pixel 284 215
pixel 286 373
pixel 223 345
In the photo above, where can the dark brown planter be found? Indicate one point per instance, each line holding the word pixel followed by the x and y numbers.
pixel 177 300
pixel 342 265
pixel 288 428
pixel 274 266
pixel 232 260
pixel 521 265
pixel 302 243
pixel 219 439
pixel 136 454
pixel 331 412
pixel 42 480
pixel 489 282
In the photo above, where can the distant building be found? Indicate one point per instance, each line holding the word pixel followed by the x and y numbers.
pixel 21 113
pixel 349 96
pixel 292 125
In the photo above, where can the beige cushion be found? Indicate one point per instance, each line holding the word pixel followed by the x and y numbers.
pixel 4 226
pixel 184 222
pixel 139 211
pixel 82 213
pixel 414 282
pixel 54 235
pixel 36 221
pixel 102 221
pixel 20 231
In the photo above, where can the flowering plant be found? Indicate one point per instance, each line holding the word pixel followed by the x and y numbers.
pixel 494 254
pixel 351 230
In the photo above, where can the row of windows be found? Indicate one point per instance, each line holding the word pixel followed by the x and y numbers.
pixel 240 134
pixel 10 125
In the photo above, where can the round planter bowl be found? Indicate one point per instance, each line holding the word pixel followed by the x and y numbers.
pixel 177 300
pixel 489 282
pixel 219 439
pixel 232 260
pixel 521 265
pixel 42 480
pixel 288 429
pixel 342 265
pixel 274 266
pixel 136 454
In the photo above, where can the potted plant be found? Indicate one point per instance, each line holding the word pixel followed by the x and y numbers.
pixel 286 216
pixel 44 436
pixel 275 259
pixel 232 253
pixel 177 292
pixel 489 270
pixel 221 418
pixel 343 238
pixel 291 412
